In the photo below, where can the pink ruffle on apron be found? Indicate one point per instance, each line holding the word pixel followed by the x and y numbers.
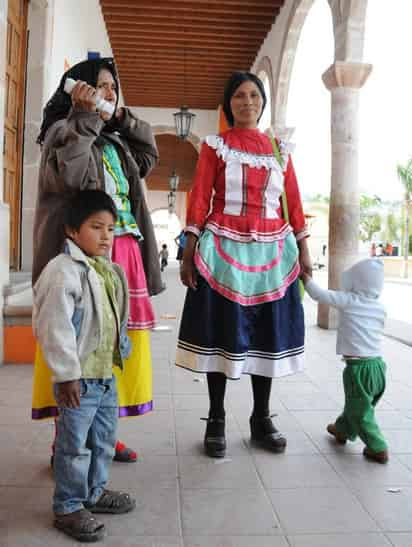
pixel 126 253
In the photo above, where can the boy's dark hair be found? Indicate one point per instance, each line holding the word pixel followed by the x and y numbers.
pixel 84 204
pixel 232 84
pixel 164 246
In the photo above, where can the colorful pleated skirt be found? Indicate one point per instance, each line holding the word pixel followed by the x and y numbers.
pixel 246 315
pixel 134 382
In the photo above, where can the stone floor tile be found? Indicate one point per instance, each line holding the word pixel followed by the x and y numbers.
pixel 209 473
pixel 235 541
pixel 31 469
pixel 320 510
pixel 391 510
pixel 393 419
pixel 25 499
pixel 295 471
pixel 358 472
pixel 326 444
pixel 297 443
pixel 225 512
pixel 156 514
pixel 195 420
pixel 400 539
pixel 163 402
pixel 282 419
pixel 189 401
pixel 399 440
pixel 32 527
pixel 149 470
pixel 315 420
pixel 190 442
pixel 142 541
pixel 339 540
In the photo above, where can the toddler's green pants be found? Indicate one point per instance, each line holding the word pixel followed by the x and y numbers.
pixel 364 384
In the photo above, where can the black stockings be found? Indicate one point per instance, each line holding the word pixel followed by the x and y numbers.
pixel 261 387
pixel 216 383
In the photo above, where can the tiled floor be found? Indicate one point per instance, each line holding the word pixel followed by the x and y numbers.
pixel 315 495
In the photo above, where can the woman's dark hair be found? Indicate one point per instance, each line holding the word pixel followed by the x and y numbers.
pixel 232 84
pixel 59 105
pixel 86 203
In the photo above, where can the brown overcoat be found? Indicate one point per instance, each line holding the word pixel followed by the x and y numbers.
pixel 72 160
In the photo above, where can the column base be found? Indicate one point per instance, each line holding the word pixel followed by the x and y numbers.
pixel 327 317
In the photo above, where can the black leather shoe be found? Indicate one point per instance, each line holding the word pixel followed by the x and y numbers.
pixel 265 434
pixel 215 442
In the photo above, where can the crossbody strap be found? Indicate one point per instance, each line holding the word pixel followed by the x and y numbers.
pixel 279 158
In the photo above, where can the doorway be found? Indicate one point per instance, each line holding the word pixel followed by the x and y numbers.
pixel 16 51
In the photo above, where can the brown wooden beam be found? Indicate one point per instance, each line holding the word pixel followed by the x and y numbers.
pixel 193 26
pixel 166 29
pixel 195 7
pixel 164 54
pixel 235 3
pixel 120 37
pixel 189 17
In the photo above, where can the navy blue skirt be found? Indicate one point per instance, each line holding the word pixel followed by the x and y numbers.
pixel 218 335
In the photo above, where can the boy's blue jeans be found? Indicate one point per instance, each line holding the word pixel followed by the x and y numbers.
pixel 84 448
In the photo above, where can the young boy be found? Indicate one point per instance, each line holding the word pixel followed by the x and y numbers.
pixel 361 321
pixel 164 255
pixel 79 317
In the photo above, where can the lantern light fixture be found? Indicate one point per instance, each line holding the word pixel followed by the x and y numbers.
pixel 183 122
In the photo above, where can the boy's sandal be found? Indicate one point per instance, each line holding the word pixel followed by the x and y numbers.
pixel 340 438
pixel 112 502
pixel 80 525
pixel 124 454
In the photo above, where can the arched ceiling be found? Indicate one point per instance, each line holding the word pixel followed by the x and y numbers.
pixel 174 52
pixel 174 154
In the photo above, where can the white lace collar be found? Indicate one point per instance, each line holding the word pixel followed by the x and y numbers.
pixel 253 160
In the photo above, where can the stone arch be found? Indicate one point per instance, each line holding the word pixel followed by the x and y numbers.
pixel 295 24
pixel 349 28
pixel 174 155
pixel 170 130
pixel 265 65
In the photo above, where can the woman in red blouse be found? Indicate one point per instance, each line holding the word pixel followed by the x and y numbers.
pixel 243 313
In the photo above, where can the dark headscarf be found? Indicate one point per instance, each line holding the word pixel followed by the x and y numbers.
pixel 58 107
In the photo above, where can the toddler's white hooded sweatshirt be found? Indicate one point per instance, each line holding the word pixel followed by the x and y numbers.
pixel 361 314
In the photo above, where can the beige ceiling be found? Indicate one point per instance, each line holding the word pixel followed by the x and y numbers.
pixel 174 52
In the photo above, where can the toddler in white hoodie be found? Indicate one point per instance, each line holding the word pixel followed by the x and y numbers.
pixel 360 328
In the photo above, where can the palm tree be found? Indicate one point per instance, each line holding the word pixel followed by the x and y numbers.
pixel 405 176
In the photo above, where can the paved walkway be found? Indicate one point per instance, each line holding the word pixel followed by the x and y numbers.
pixel 314 495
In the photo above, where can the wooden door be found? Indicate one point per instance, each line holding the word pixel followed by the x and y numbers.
pixel 14 119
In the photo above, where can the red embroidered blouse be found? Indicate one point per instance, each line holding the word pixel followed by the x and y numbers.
pixel 237 186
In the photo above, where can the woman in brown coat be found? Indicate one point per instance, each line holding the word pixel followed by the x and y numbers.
pixel 83 148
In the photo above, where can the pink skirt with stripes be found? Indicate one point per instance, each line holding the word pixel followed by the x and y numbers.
pixel 126 253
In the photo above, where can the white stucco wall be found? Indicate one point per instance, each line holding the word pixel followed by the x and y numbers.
pixel 205 123
pixel 59 31
pixel 78 27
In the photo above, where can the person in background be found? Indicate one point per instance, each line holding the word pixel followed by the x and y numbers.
pixel 80 311
pixel 243 312
pixel 180 241
pixel 360 329
pixel 83 148
pixel 164 255
pixel 379 250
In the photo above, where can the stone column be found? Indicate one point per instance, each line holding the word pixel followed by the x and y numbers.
pixel 343 79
